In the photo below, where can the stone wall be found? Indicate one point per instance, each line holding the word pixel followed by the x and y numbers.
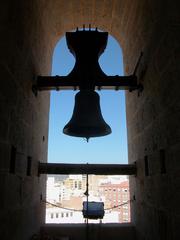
pixel 23 120
pixel 153 126
pixel 29 31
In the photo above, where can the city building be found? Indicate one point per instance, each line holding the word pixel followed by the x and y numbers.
pixel 53 190
pixel 68 193
pixel 61 215
pixel 117 196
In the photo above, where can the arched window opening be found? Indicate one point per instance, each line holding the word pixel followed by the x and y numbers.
pixel 63 148
pixel 112 149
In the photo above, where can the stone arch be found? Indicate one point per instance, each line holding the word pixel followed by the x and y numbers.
pixel 116 105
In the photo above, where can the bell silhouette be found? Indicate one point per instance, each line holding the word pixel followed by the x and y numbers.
pixel 87 120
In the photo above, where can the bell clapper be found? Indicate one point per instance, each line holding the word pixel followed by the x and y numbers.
pixel 87 139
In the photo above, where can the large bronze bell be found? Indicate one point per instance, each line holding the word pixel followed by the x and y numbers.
pixel 87 120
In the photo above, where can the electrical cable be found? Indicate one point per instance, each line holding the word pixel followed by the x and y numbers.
pixel 119 205
pixel 55 205
pixel 80 210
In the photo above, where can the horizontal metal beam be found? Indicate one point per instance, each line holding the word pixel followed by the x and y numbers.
pixel 69 83
pixel 97 169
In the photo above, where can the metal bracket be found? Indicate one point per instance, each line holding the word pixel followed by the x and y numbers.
pixel 97 169
pixel 67 83
pixel 140 86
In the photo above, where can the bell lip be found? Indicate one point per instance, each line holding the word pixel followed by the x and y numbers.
pixel 89 134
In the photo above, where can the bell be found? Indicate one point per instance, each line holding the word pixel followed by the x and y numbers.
pixel 87 120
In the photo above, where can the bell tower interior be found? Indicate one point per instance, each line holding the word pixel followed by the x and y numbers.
pixel 29 31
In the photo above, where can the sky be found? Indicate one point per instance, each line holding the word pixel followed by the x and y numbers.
pixel 110 149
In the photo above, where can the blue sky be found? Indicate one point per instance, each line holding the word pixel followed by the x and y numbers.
pixel 108 149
